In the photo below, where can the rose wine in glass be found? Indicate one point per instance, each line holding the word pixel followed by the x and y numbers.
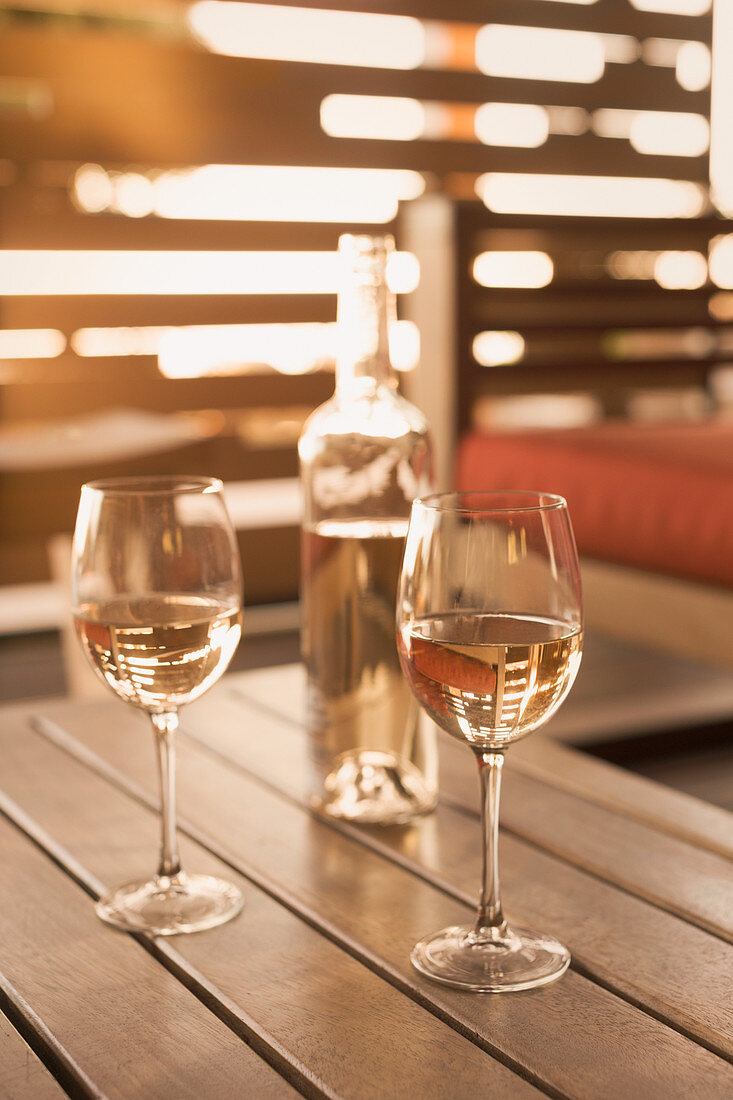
pixel 157 607
pixel 490 639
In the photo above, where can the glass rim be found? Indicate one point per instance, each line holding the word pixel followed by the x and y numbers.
pixel 457 501
pixel 154 485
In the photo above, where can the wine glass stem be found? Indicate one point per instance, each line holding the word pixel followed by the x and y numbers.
pixel 165 725
pixel 490 923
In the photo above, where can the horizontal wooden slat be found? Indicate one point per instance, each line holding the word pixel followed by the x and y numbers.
pixel 152 82
pixel 588 914
pixel 604 15
pixel 70 312
pixel 613 16
pixel 511 310
pixel 157 393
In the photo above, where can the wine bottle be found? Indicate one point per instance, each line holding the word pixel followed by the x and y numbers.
pixel 364 456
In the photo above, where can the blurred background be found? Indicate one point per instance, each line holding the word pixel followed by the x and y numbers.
pixel 174 177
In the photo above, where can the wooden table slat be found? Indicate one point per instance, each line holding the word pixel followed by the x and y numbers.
pixel 595 837
pixel 353 893
pixel 322 1006
pixel 23 1075
pixel 542 756
pixel 682 815
pixel 648 863
pixel 105 999
pixel 634 965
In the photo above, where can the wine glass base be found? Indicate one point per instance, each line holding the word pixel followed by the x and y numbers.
pixel 168 906
pixel 375 788
pixel 514 960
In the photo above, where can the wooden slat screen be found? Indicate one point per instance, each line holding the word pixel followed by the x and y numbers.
pixel 127 87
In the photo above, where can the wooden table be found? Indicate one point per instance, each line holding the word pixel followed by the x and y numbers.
pixel 310 990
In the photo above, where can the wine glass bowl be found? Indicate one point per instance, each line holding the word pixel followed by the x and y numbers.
pixel 490 639
pixel 156 584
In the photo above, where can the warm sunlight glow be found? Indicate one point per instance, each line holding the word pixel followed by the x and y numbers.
pixel 495 349
pixel 31 343
pixel 36 272
pixel 198 351
pixel 672 343
pixel 721 262
pixel 233 192
pixel 308 34
pixel 590 196
pixel 389 118
pixel 134 195
pixel 517 124
pixel 612 122
pixel 693 66
pixel 101 342
pixel 681 270
pixel 539 53
pixel 621 49
pixel 669 133
pixel 720 306
pixel 568 120
pixel 721 110
pixel 660 133
pixel 674 7
pixel 631 264
pixel 513 269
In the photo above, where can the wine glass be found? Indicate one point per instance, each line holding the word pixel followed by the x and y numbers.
pixel 156 590
pixel 489 631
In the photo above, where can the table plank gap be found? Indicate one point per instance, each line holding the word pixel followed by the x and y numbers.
pixel 522 1078
pixel 44 1044
pixel 527 836
pixel 544 756
pixel 674 813
pixel 233 1017
pixel 173 961
pixel 208 1054
pixel 589 846
pixel 237 861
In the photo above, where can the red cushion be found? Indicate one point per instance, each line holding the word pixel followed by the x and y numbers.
pixel 658 497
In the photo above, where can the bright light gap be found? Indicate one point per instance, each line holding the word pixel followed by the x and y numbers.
pixel 232 192
pixel 43 272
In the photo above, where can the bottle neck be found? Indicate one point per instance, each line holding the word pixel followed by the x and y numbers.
pixel 366 310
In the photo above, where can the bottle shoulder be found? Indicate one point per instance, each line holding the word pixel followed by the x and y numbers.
pixel 384 414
